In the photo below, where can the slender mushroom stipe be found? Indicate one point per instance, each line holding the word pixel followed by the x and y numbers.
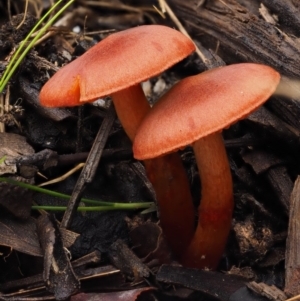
pixel 194 112
pixel 115 67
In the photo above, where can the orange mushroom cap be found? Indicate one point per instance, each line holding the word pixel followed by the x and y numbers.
pixel 203 104
pixel 119 61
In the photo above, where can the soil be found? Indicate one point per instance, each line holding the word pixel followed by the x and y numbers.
pixel 41 143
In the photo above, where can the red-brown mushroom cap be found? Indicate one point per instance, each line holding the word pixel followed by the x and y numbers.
pixel 121 60
pixel 201 105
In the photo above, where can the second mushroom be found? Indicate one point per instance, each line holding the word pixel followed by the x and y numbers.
pixel 194 112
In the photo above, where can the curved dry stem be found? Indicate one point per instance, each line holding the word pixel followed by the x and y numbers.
pixel 166 174
pixel 215 210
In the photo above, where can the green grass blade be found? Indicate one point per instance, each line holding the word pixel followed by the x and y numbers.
pixel 92 208
pixel 13 66
pixel 21 46
pixel 85 200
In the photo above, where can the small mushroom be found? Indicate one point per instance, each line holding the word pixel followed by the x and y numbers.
pixel 115 67
pixel 194 112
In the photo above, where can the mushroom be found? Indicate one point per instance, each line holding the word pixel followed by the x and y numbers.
pixel 195 111
pixel 115 67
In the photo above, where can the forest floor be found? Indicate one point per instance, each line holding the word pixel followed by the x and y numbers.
pixel 122 254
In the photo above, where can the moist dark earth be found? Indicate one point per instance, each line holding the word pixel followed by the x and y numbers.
pixel 127 248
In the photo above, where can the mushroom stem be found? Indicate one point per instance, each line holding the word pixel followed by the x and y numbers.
pixel 166 174
pixel 177 213
pixel 215 210
pixel 131 106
